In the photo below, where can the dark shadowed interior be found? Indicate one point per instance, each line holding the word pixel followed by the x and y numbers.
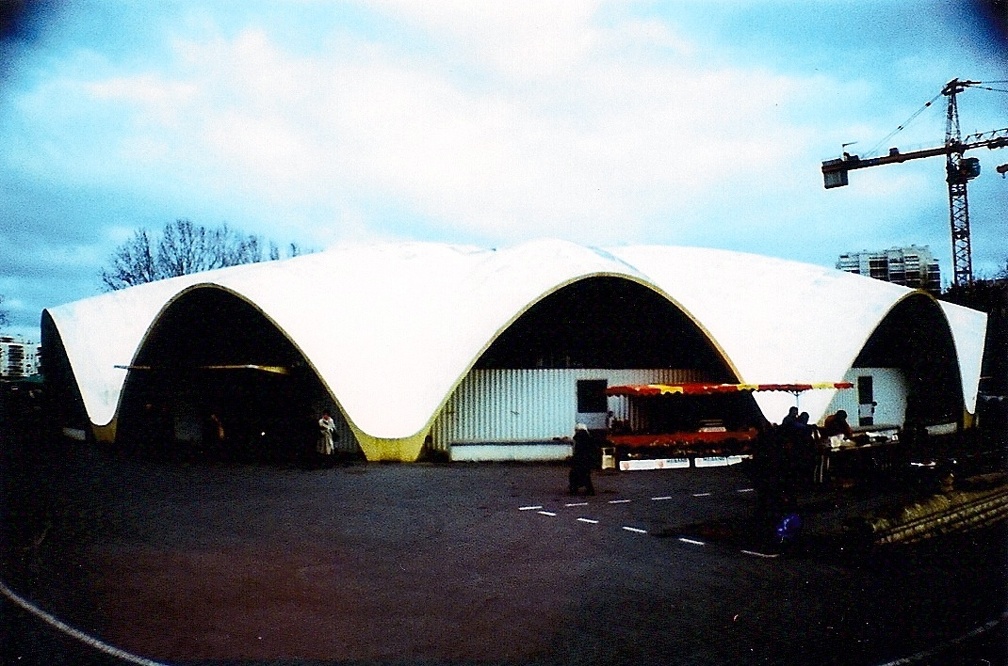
pixel 915 338
pixel 605 322
pixel 216 378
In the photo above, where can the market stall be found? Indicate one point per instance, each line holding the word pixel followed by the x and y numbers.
pixel 696 421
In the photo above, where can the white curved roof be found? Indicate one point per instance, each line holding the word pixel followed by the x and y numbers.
pixel 787 322
pixel 418 315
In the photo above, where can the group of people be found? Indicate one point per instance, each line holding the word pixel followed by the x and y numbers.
pixel 787 457
pixel 796 427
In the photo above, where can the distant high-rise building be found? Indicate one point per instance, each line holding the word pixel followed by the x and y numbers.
pixel 18 358
pixel 910 266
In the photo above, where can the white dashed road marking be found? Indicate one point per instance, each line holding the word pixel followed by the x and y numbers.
pixel 756 554
pixel 538 508
pixel 906 661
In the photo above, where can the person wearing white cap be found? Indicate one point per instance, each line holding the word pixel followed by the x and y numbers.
pixel 582 461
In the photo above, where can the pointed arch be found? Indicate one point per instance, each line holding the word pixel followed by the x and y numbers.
pixel 215 376
pixel 915 339
pixel 521 387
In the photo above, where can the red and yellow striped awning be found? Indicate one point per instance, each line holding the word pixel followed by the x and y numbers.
pixel 696 388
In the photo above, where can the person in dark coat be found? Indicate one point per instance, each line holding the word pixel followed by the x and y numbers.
pixel 582 461
pixel 806 455
pixel 774 475
pixel 790 420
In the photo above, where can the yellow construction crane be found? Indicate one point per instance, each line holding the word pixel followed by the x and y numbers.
pixel 959 170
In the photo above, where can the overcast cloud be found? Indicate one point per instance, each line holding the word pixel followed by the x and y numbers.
pixel 603 123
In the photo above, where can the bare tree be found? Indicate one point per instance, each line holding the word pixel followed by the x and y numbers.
pixel 293 250
pixel 183 248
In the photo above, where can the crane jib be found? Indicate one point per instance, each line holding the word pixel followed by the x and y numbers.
pixel 959 171
pixel 999 139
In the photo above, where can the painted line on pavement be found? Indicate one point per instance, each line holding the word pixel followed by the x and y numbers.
pixel 530 508
pixel 76 634
pixel 576 504
pixel 745 490
pixel 702 494
pixel 620 501
pixel 692 541
pixel 546 513
pixel 635 530
pixel 588 520
pixel 661 499
pixel 758 554
pixel 928 654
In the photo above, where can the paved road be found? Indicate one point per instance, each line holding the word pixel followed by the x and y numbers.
pixel 368 563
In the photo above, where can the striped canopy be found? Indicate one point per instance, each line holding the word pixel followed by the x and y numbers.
pixel 649 390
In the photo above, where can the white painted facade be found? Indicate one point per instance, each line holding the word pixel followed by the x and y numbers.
pixel 889 388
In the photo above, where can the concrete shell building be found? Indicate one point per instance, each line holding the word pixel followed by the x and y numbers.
pixel 491 354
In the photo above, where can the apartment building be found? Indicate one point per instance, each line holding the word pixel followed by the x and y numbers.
pixel 911 266
pixel 18 358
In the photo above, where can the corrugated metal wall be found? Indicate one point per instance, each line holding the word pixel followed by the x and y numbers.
pixel 531 405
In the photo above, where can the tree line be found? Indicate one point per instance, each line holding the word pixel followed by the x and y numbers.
pixel 183 248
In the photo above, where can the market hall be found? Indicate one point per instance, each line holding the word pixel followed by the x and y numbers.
pixel 467 353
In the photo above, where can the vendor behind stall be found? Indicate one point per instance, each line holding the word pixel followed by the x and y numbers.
pixel 836 424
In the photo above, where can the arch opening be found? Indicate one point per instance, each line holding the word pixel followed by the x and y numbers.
pixel 605 322
pixel 914 342
pixel 215 379
pixel 550 368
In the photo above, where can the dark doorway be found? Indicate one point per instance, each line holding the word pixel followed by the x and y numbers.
pixel 866 400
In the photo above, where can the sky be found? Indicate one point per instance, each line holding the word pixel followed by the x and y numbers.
pixel 605 123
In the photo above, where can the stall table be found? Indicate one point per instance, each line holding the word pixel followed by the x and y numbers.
pixel 858 459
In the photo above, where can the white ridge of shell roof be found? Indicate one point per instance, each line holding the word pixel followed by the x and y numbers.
pixel 392 327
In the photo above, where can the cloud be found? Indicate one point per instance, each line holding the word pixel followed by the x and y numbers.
pixel 565 122
pixel 605 135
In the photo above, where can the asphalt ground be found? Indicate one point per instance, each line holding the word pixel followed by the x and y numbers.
pixel 207 562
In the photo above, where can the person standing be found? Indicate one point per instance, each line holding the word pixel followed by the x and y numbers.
pixel 804 452
pixel 582 461
pixel 790 420
pixel 327 426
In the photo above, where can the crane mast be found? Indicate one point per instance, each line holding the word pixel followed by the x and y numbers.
pixel 957 177
pixel 959 171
